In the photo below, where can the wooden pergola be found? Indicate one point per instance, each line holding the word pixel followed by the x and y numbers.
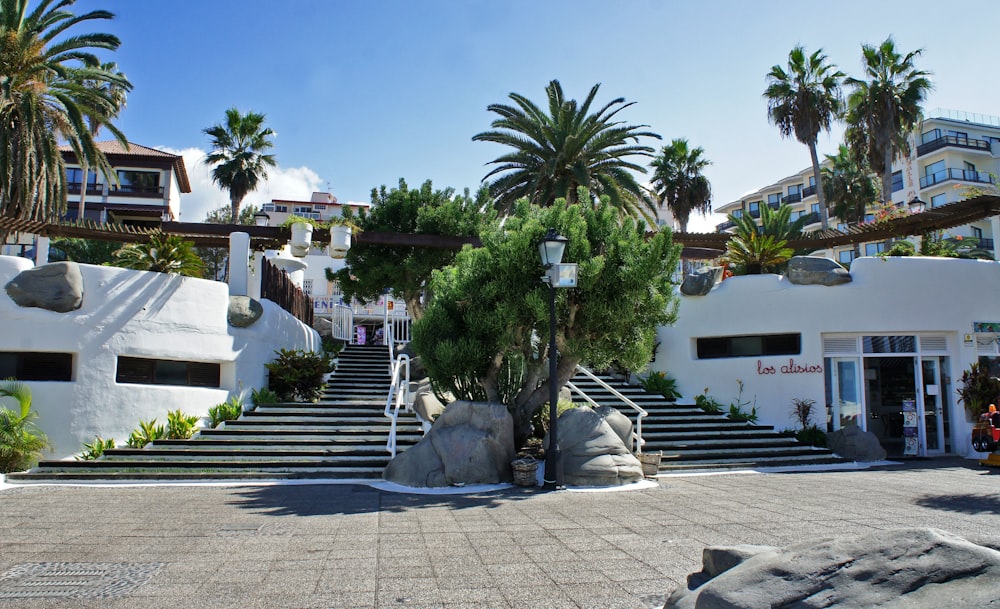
pixel 696 245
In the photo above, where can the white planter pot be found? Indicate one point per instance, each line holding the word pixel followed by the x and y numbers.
pixel 340 240
pixel 301 239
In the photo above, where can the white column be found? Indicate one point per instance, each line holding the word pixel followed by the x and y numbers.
pixel 239 263
pixel 41 251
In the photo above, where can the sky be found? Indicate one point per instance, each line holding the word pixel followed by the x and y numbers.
pixel 363 93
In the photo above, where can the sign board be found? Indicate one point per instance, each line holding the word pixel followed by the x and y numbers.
pixel 985 326
pixel 911 443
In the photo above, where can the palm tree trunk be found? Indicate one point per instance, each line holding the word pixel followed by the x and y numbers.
pixel 81 208
pixel 234 206
pixel 887 176
pixel 824 215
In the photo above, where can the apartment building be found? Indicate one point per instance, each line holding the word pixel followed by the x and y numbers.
pixel 321 206
pixel 950 153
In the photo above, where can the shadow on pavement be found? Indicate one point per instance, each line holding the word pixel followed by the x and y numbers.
pixel 964 504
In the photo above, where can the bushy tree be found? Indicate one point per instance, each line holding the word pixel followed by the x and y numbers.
pixel 372 269
pixel 88 251
pixel 484 333
pixel 162 254
pixel 759 249
pixel 849 185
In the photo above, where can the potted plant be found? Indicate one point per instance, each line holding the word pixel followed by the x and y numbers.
pixel 978 390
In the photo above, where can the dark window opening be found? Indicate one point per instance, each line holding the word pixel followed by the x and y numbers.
pixel 167 372
pixel 36 366
pixel 756 345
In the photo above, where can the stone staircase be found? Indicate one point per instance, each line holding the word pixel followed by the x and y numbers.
pixel 343 436
pixel 692 439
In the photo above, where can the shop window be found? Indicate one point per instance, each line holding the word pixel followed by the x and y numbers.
pixel 755 345
pixel 36 366
pixel 889 344
pixel 167 372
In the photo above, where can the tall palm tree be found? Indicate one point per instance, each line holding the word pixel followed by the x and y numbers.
pixel 885 107
pixel 803 100
pixel 849 185
pixel 678 182
pixel 238 153
pixel 46 93
pixel 117 91
pixel 568 147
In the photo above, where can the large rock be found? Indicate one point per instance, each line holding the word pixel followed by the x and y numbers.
pixel 890 568
pixel 593 453
pixel 816 270
pixel 243 311
pixel 470 443
pixel 57 287
pixel 852 442
pixel 425 402
pixel 700 282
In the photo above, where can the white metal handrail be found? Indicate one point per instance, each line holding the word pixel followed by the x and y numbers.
pixel 399 397
pixel 638 441
pixel 342 319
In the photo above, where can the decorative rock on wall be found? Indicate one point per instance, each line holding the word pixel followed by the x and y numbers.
pixel 243 311
pixel 701 282
pixel 816 270
pixel 593 451
pixel 57 287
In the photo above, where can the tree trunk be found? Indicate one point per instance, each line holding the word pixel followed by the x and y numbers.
pixel 522 411
pixel 824 216
pixel 887 176
pixel 414 307
pixel 81 208
pixel 234 208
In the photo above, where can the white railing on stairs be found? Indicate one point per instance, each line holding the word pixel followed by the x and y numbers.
pixel 399 396
pixel 641 414
pixel 342 318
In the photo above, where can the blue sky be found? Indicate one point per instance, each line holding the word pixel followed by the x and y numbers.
pixel 363 93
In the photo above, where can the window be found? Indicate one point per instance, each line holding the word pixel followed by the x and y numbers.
pixel 36 366
pixel 812 180
pixel 138 181
pixel 977 233
pixel 794 190
pixel 757 345
pixel 302 209
pixel 934 168
pixel 795 215
pixel 897 181
pixel 738 213
pixel 754 207
pixel 842 227
pixel 873 249
pixel 938 200
pixel 889 344
pixel 74 175
pixel 774 199
pixel 167 372
pixel 869 217
pixel 814 208
pixel 307 286
pixel 845 257
pixel 930 136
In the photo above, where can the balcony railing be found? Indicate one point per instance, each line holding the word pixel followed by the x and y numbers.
pixel 792 198
pixel 808 191
pixel 134 189
pixel 811 218
pixel 722 226
pixel 953 140
pixel 74 188
pixel 965 175
pixel 774 205
pixel 754 213
pixel 986 244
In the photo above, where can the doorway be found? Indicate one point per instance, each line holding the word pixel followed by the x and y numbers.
pixel 890 394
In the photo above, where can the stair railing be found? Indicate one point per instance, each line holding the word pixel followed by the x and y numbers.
pixel 342 319
pixel 637 441
pixel 399 397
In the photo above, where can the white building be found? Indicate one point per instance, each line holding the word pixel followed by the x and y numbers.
pixel 898 336
pixel 321 206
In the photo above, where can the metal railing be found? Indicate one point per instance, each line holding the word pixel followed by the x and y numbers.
pixel 399 396
pixel 342 318
pixel 808 191
pixel 641 414
pixel 953 140
pixel 794 197
pixel 965 175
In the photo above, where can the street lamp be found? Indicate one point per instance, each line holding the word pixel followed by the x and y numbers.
pixel 916 205
pixel 261 218
pixel 557 275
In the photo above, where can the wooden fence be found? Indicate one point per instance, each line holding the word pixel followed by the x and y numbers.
pixel 277 286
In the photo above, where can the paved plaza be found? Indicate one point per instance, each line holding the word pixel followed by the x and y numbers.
pixel 344 546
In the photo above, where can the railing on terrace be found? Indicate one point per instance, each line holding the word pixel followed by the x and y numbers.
pixel 131 189
pixel 792 198
pixel 953 140
pixel 811 218
pixel 74 188
pixel 808 191
pixel 637 440
pixel 277 286
pixel 965 175
pixel 724 226
pixel 986 244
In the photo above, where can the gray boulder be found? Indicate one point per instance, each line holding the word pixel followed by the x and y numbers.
pixel 243 311
pixel 852 442
pixel 425 403
pixel 816 270
pixel 593 453
pixel 470 443
pixel 57 286
pixel 619 423
pixel 890 568
pixel 700 282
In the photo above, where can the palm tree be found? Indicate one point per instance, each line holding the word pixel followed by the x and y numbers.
pixel 804 100
pixel 557 152
pixel 678 182
pixel 849 185
pixel 46 93
pixel 763 248
pixel 162 254
pixel 885 108
pixel 21 442
pixel 238 148
pixel 117 91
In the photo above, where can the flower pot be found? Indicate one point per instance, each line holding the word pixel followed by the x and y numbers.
pixel 525 471
pixel 301 239
pixel 340 240
pixel 650 463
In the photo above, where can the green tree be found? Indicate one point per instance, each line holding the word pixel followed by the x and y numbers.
pixel 21 443
pixel 116 91
pixel 47 96
pixel 372 269
pixel 481 334
pixel 885 107
pixel 759 249
pixel 803 100
pixel 162 254
pixel 678 181
pixel 238 155
pixel 849 185
pixel 87 251
pixel 568 147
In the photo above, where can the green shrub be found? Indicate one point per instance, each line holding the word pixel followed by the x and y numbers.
pixel 21 443
pixel 263 396
pixel 707 403
pixel 297 376
pixel 659 382
pixel 978 389
pixel 802 410
pixel 736 413
pixel 180 426
pixel 96 449
pixel 230 410
pixel 147 432
pixel 812 435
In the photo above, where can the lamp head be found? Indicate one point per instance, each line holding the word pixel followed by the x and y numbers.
pixel 551 248
pixel 261 218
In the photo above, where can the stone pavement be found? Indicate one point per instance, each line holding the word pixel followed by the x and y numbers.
pixel 343 546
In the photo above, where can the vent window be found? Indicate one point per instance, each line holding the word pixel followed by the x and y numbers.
pixel 146 371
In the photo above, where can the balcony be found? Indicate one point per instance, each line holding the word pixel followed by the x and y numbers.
pixel 724 226
pixel 808 191
pixel 774 205
pixel 792 198
pixel 965 175
pixel 955 141
pixel 811 218
pixel 754 213
pixel 74 188
pixel 136 190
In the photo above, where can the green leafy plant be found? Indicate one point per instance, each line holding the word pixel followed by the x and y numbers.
pixel 95 449
pixel 162 254
pixel 21 442
pixel 899 248
pixel 812 436
pixel 540 422
pixel 180 426
pixel 263 396
pixel 659 382
pixel 802 410
pixel 707 402
pixel 230 410
pixel 736 409
pixel 297 375
pixel 978 389
pixel 147 432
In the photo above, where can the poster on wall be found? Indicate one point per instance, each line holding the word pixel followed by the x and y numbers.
pixel 910 444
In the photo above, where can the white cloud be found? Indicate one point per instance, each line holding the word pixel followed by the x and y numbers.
pixel 294 183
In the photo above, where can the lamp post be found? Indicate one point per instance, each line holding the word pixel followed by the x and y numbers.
pixel 261 218
pixel 916 205
pixel 558 275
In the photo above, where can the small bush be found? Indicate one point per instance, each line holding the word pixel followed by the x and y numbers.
pixel 707 403
pixel 230 410
pixel 659 382
pixel 263 396
pixel 21 443
pixel 298 375
pixel 96 449
pixel 180 426
pixel 812 435
pixel 738 414
pixel 802 410
pixel 147 432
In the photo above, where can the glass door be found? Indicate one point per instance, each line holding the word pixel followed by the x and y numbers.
pixel 843 393
pixel 932 419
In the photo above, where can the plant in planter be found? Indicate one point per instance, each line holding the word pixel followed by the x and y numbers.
pixel 736 412
pixel 808 434
pixel 96 449
pixel 978 390
pixel 230 410
pixel 181 426
pixel 707 402
pixel 297 376
pixel 147 432
pixel 21 443
pixel 659 382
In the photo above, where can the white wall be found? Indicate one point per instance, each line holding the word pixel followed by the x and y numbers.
pixel 142 314
pixel 893 296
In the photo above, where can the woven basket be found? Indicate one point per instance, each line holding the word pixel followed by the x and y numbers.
pixel 525 471
pixel 650 463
